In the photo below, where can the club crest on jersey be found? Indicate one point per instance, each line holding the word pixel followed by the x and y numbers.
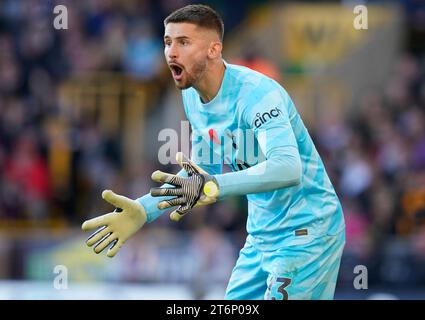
pixel 260 119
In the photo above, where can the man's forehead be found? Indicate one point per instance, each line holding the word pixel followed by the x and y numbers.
pixel 181 29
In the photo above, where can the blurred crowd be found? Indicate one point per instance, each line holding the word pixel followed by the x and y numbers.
pixel 376 159
pixel 375 155
pixel 35 59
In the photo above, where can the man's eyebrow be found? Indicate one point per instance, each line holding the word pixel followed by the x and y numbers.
pixel 177 38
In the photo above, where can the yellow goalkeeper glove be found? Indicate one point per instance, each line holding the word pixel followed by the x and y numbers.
pixel 115 227
pixel 198 189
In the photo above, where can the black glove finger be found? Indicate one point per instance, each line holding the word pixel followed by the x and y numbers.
pixel 157 192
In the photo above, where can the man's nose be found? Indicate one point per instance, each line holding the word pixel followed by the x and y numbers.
pixel 172 52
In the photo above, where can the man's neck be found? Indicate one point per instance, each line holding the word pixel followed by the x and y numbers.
pixel 210 85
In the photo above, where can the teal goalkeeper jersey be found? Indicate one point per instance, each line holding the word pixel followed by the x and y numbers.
pixel 253 127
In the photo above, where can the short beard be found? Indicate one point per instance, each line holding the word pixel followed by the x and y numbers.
pixel 198 72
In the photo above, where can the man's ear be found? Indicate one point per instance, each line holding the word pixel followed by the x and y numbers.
pixel 215 49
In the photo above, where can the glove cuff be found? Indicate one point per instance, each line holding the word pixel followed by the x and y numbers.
pixel 211 188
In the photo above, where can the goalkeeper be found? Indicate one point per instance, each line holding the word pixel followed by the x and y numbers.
pixel 295 225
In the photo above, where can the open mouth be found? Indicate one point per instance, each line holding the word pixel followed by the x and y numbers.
pixel 176 70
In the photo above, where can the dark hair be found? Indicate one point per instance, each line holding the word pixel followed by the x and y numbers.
pixel 198 14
